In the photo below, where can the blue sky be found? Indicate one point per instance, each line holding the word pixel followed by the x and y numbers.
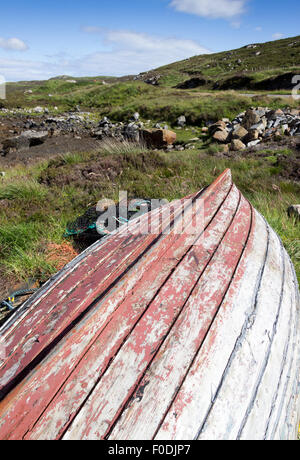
pixel 41 39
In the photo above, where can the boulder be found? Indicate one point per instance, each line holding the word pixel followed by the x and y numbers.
pixel 216 126
pixel 253 135
pixel 237 145
pixel 181 121
pixel 158 138
pixel 239 132
pixel 26 140
pixel 131 132
pixel 253 143
pixel 273 114
pixel 16 143
pixel 221 135
pixel 251 118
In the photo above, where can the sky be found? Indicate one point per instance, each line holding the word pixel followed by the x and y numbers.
pixel 43 39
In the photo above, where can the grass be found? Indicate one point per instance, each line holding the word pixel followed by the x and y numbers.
pixel 275 58
pixel 35 215
pixel 25 190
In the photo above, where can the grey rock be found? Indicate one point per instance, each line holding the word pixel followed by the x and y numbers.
pixel 26 140
pixel 220 135
pixel 294 211
pixel 38 109
pixel 181 121
pixel 35 137
pixel 237 145
pixel 253 143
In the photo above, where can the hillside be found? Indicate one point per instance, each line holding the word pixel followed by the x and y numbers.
pixel 251 67
pixel 259 68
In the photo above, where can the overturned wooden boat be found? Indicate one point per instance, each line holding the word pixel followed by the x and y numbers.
pixel 190 333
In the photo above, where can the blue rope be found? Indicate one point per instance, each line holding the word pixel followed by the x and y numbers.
pixel 9 303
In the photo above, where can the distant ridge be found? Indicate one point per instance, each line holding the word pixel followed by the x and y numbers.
pixel 244 68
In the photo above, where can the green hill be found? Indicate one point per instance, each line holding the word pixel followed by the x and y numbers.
pixel 250 67
pixel 206 87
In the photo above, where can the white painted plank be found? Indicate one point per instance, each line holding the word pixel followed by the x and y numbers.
pixel 281 350
pixel 286 419
pixel 194 398
pixel 235 397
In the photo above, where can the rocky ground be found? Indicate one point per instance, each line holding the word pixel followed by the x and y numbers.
pixel 254 126
pixel 25 138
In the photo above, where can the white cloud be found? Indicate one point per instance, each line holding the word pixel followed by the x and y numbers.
pixel 277 36
pixel 130 52
pixel 122 52
pixel 211 8
pixel 143 43
pixel 258 29
pixel 13 44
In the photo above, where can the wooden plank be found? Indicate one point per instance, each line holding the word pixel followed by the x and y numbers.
pixel 117 385
pixel 90 259
pixel 197 394
pixel 284 420
pixel 84 377
pixel 40 388
pixel 143 415
pixel 66 303
pixel 236 394
pixel 281 350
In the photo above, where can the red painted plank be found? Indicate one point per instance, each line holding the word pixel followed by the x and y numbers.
pixel 52 316
pixel 115 388
pixel 99 356
pixel 143 415
pixel 39 389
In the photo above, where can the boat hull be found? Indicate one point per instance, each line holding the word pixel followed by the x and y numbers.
pixel 188 331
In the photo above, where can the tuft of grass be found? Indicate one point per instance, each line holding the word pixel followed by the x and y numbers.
pixel 26 190
pixel 115 147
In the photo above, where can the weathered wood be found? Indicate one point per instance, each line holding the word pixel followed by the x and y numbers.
pixel 129 311
pixel 279 352
pixel 237 392
pixel 169 368
pixel 42 325
pixel 144 342
pixel 199 390
pixel 180 333
pixel 68 353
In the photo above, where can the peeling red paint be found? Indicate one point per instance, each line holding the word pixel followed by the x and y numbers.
pixel 119 371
